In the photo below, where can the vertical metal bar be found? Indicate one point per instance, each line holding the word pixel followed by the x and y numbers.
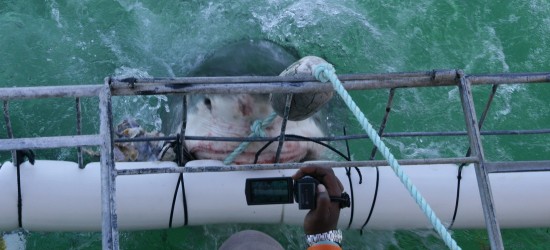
pixel 283 127
pixel 488 105
pixel 182 155
pixel 384 121
pixel 469 152
pixel 79 132
pixel 109 228
pixel 484 185
pixel 9 129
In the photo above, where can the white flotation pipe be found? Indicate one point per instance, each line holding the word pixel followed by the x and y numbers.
pixel 58 196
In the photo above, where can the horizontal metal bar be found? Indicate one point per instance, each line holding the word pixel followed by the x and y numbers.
pixel 274 84
pixel 49 142
pixel 335 138
pixel 269 84
pixel 460 133
pixel 239 139
pixel 252 167
pixel 143 139
pixel 154 88
pixel 517 166
pixel 288 138
pixel 418 134
pixel 438 75
pixel 516 132
pixel 49 92
pixel 505 78
pixel 271 79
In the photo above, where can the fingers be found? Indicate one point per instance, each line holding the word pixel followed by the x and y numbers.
pixel 325 215
pixel 324 174
pixel 323 199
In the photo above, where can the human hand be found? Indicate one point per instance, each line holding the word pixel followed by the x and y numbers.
pixel 325 216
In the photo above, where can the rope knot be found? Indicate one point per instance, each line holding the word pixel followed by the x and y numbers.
pixel 323 71
pixel 257 128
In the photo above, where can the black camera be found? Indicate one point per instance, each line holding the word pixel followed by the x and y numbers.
pixel 282 190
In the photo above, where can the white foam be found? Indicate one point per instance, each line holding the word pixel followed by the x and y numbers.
pixel 55 13
pixel 144 108
pixel 304 14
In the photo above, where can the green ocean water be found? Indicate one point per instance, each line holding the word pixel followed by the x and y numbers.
pixel 81 42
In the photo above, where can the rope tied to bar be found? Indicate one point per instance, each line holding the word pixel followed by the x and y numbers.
pixel 258 130
pixel 324 73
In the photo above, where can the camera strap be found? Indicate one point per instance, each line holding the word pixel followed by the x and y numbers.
pixel 343 199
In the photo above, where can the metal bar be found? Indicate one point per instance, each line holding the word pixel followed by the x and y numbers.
pixel 265 88
pixel 459 133
pixel 384 120
pixel 294 78
pixel 488 105
pixel 49 92
pixel 181 147
pixel 446 75
pixel 280 87
pixel 273 84
pixel 79 132
pixel 288 101
pixel 336 138
pixel 469 152
pixel 9 130
pixel 516 132
pixel 50 142
pixel 517 166
pixel 256 84
pixel 483 116
pixel 484 185
pixel 505 78
pixel 7 119
pixel 109 228
pixel 253 167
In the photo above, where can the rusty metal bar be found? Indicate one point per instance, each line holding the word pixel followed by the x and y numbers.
pixel 49 142
pixel 384 121
pixel 253 167
pixel 337 138
pixel 288 101
pixel 269 84
pixel 109 227
pixel 263 85
pixel 438 75
pixel 79 132
pixel 517 166
pixel 8 129
pixel 493 228
pixel 49 92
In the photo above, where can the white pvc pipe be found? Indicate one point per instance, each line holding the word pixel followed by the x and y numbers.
pixel 58 196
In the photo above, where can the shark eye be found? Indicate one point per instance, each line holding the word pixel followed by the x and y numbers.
pixel 208 103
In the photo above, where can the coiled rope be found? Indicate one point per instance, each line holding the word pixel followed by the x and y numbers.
pixel 257 131
pixel 324 73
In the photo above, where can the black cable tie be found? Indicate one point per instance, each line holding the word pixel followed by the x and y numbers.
pixel 184 198
pixel 173 203
pixel 373 201
pixel 19 159
pixel 360 175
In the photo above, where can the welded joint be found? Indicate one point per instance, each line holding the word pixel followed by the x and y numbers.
pixel 444 75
